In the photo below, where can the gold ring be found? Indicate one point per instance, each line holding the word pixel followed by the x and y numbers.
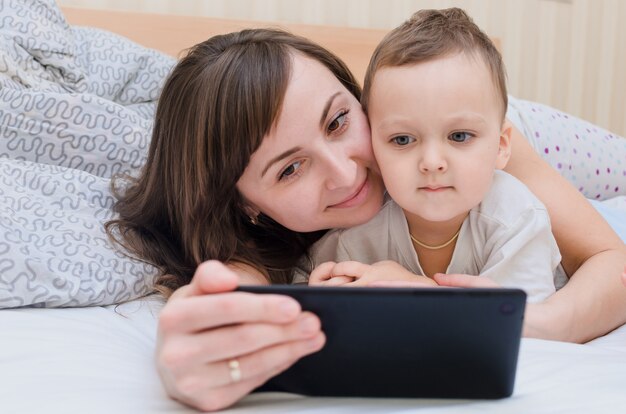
pixel 235 371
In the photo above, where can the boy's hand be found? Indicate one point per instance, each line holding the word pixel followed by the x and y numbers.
pixel 358 274
pixel 323 275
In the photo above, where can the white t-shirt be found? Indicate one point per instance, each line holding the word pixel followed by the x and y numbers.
pixel 506 238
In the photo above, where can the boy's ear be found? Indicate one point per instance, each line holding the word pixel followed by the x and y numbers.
pixel 504 148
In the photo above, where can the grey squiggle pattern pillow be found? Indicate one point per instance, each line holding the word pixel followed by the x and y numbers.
pixel 53 247
pixel 76 107
pixel 85 101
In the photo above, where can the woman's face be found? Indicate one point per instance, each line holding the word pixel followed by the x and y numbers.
pixel 315 169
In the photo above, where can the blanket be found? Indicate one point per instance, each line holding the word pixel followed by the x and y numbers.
pixel 76 108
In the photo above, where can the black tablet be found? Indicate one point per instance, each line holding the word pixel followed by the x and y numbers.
pixel 407 343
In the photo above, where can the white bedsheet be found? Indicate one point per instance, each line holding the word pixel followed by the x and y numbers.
pixel 100 360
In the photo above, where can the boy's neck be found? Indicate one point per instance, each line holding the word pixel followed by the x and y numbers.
pixel 434 241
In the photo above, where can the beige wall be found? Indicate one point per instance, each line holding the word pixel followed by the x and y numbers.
pixel 570 54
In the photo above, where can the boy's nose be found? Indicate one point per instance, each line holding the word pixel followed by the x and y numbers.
pixel 432 159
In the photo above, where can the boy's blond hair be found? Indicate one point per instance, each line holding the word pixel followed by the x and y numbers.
pixel 431 34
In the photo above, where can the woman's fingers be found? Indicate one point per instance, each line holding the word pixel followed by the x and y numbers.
pixel 197 313
pixel 265 361
pixel 465 281
pixel 232 341
pixel 204 326
pixel 210 277
pixel 200 388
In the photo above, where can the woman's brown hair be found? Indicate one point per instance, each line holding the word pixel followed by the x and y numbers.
pixel 216 106
pixel 431 34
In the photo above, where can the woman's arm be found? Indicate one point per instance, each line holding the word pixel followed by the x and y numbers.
pixel 205 326
pixel 594 300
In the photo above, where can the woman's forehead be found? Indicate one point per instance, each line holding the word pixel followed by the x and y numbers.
pixel 308 75
pixel 312 94
pixel 311 86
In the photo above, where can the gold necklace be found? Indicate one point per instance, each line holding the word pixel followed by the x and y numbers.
pixel 441 246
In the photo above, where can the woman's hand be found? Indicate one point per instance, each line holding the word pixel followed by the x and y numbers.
pixel 214 346
pixel 534 316
pixel 358 274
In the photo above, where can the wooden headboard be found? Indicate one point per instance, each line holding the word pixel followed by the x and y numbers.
pixel 173 34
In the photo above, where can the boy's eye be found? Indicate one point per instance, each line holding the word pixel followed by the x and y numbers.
pixel 459 136
pixel 402 140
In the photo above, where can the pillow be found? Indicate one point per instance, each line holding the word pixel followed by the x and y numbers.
pixel 53 247
pixel 614 212
pixel 74 97
pixel 37 46
pixel 76 108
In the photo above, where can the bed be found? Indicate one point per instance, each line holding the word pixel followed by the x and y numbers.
pixel 78 325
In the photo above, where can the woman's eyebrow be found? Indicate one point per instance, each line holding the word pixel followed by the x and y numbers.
pixel 327 108
pixel 278 158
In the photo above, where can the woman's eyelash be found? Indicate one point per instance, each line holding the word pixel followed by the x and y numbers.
pixel 296 171
pixel 342 120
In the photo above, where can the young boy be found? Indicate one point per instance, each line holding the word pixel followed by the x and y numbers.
pixel 435 94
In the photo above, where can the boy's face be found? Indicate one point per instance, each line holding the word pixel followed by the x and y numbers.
pixel 437 135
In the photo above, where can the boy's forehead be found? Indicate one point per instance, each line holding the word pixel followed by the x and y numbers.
pixel 435 73
pixel 450 83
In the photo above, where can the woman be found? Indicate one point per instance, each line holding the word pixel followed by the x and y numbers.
pixel 259 145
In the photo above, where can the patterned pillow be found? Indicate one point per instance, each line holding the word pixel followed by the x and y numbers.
pixel 76 107
pixel 53 247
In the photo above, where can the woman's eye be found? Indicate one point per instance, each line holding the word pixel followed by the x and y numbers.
pixel 290 171
pixel 402 140
pixel 338 122
pixel 460 136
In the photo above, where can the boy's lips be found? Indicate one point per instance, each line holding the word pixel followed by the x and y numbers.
pixel 435 188
pixel 356 197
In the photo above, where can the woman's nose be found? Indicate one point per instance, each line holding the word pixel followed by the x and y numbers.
pixel 340 171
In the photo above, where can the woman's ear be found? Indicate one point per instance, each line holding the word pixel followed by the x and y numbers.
pixel 504 147
pixel 252 213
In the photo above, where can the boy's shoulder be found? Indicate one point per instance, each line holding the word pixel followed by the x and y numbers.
pixel 508 199
pixel 382 220
pixel 376 228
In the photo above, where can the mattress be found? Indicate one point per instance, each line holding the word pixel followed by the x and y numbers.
pixel 100 360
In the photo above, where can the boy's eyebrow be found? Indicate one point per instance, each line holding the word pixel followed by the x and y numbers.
pixel 278 158
pixel 327 108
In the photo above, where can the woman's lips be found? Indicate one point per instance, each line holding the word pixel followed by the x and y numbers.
pixel 356 198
